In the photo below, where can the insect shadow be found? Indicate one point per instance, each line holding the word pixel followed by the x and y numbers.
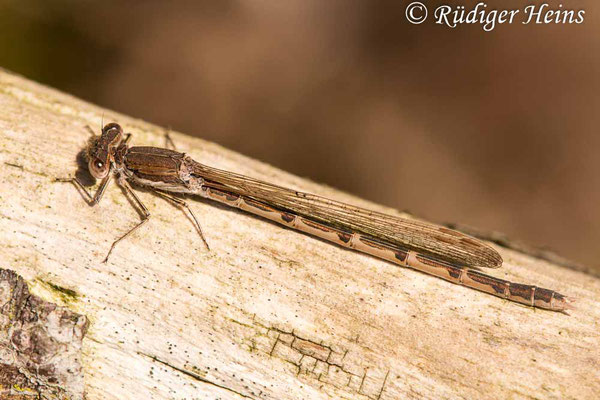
pixel 83 172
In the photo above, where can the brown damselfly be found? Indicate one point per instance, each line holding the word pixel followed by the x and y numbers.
pixel 426 247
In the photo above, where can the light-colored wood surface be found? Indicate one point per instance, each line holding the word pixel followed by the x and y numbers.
pixel 269 313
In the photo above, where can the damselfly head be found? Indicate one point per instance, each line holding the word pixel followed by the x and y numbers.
pixel 100 150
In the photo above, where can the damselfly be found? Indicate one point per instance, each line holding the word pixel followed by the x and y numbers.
pixel 426 247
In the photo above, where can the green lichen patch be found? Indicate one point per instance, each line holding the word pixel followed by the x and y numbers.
pixel 65 294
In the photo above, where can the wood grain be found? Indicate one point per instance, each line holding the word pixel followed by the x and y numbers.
pixel 268 313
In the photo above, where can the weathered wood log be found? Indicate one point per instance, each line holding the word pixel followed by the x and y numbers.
pixel 268 313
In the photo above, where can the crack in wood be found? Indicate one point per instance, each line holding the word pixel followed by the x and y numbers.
pixel 383 385
pixel 363 380
pixel 194 375
pixel 321 361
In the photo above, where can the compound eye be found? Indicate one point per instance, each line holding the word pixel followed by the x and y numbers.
pixel 112 134
pixel 98 168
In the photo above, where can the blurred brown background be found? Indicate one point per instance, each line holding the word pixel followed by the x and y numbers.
pixel 497 130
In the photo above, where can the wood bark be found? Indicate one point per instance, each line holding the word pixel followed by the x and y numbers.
pixel 40 344
pixel 268 313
